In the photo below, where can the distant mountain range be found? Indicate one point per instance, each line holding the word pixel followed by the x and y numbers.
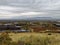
pixel 31 19
pixel 36 18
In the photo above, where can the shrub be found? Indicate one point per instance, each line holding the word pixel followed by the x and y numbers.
pixel 5 39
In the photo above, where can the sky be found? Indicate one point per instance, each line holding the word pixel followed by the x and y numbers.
pixel 10 9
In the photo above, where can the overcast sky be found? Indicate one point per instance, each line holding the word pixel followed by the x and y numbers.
pixel 29 8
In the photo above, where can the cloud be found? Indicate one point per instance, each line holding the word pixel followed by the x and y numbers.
pixel 32 13
pixel 8 8
pixel 12 8
pixel 23 14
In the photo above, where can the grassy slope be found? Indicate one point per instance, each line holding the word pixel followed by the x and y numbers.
pixel 16 36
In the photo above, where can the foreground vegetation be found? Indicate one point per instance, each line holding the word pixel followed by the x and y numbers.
pixel 29 39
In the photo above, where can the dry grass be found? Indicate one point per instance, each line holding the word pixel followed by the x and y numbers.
pixel 53 39
pixel 16 36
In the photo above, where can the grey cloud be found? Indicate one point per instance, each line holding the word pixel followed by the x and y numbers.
pixel 34 4
pixel 52 7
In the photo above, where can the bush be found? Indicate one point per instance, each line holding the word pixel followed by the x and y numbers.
pixel 5 39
